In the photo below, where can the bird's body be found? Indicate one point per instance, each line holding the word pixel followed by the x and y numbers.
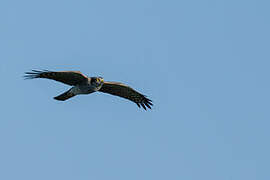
pixel 82 84
pixel 86 87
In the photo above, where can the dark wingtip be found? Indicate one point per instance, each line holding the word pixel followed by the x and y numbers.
pixel 33 74
pixel 145 103
pixel 143 106
pixel 148 105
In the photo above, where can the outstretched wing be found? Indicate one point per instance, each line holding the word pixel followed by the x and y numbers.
pixel 124 91
pixel 68 77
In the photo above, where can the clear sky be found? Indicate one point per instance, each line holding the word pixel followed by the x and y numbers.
pixel 205 65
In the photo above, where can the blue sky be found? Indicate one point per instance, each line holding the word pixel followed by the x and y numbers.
pixel 205 65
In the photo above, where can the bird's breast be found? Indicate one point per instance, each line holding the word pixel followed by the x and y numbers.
pixel 83 89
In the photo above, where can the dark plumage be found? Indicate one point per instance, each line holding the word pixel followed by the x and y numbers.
pixel 86 85
pixel 124 91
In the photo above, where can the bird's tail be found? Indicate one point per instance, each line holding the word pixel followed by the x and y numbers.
pixel 66 95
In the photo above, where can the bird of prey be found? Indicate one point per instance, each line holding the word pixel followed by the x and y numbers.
pixel 81 84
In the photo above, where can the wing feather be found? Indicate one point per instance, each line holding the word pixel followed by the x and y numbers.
pixel 67 77
pixel 124 91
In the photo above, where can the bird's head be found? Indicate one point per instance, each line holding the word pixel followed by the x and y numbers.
pixel 97 81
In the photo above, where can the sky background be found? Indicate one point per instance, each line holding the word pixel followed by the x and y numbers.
pixel 205 65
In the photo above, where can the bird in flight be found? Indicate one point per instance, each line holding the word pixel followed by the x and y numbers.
pixel 81 84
